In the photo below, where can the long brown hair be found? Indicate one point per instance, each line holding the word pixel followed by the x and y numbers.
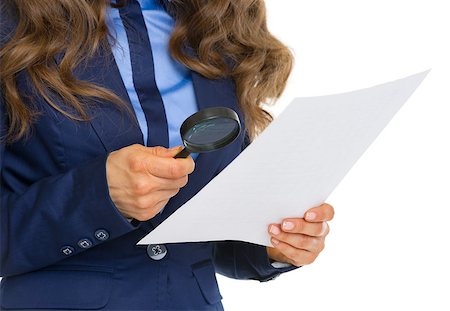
pixel 229 38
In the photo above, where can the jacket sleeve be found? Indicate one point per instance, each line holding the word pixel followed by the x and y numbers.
pixel 242 260
pixel 50 219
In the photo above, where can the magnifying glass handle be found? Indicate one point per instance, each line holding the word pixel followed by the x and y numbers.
pixel 182 154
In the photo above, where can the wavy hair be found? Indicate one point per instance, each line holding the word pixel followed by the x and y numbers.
pixel 229 38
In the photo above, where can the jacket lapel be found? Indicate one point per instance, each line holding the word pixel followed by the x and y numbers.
pixel 115 128
pixel 215 93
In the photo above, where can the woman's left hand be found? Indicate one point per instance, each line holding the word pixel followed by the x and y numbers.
pixel 299 241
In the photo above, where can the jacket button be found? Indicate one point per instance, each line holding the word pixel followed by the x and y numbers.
pixel 101 235
pixel 156 251
pixel 67 250
pixel 84 243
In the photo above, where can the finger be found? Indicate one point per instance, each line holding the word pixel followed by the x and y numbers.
pixel 295 256
pixel 300 241
pixel 168 167
pixel 324 212
pixel 299 225
pixel 160 205
pixel 144 215
pixel 167 153
pixel 325 229
pixel 160 151
pixel 145 185
pixel 159 161
pixel 148 202
pixel 160 183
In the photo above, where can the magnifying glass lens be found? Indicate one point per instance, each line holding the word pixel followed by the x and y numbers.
pixel 210 132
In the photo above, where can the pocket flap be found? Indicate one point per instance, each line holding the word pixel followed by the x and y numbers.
pixel 57 289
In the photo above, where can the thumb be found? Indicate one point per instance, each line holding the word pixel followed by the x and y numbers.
pixel 167 153
pixel 174 151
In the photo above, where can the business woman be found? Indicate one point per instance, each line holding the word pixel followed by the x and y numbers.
pixel 92 97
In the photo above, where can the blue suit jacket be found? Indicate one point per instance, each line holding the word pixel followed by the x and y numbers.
pixel 54 193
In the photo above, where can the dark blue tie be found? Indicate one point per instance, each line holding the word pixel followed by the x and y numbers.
pixel 144 74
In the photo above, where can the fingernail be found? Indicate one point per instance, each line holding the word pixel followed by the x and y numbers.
pixel 274 230
pixel 310 216
pixel 288 225
pixel 275 241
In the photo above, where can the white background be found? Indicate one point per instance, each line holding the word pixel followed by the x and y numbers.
pixel 389 243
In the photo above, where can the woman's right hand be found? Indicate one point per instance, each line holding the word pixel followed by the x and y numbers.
pixel 142 180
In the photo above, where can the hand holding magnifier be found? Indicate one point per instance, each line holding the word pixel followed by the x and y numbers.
pixel 208 130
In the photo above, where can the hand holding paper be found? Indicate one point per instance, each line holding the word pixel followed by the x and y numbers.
pixel 298 241
pixel 320 139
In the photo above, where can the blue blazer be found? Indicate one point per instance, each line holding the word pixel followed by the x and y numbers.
pixel 54 196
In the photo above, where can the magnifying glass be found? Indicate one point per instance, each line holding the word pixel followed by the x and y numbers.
pixel 208 130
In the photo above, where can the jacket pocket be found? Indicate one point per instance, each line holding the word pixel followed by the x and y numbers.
pixel 205 275
pixel 58 289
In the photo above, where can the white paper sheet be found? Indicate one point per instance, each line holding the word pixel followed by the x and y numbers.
pixel 292 166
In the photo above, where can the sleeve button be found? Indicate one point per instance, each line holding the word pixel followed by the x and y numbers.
pixel 101 235
pixel 84 243
pixel 67 250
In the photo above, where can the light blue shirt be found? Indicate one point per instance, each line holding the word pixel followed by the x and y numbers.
pixel 173 79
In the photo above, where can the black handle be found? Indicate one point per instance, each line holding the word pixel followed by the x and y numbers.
pixel 182 154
